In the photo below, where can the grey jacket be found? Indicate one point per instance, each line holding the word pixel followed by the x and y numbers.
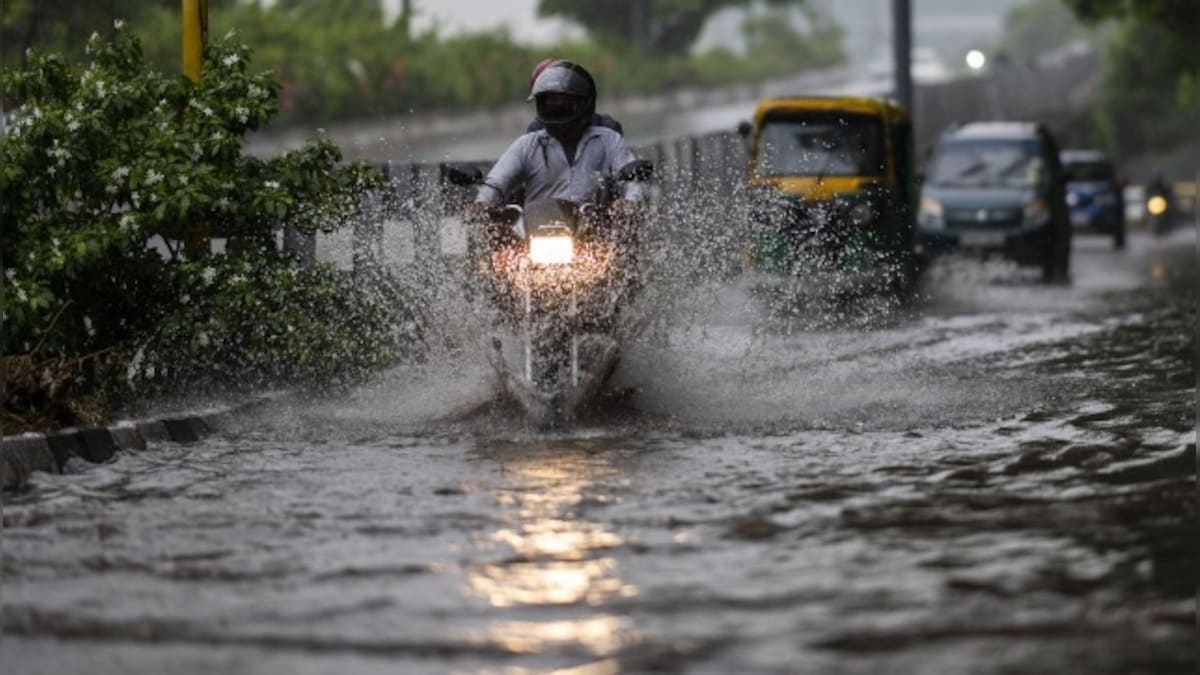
pixel 537 161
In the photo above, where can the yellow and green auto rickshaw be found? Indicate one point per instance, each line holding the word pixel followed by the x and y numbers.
pixel 832 185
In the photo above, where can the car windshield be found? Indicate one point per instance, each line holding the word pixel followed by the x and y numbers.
pixel 820 144
pixel 1080 172
pixel 1004 163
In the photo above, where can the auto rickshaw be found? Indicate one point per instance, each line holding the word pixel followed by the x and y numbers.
pixel 832 189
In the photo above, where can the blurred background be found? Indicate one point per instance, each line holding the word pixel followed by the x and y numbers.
pixel 388 79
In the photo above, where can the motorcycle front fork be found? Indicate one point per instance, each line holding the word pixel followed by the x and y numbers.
pixel 534 332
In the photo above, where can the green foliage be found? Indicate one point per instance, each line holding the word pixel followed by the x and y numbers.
pixel 1150 94
pixel 340 60
pixel 1036 27
pixel 104 157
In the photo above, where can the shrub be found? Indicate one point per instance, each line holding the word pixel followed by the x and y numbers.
pixel 106 157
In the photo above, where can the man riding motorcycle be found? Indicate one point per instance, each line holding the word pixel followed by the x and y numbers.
pixel 569 157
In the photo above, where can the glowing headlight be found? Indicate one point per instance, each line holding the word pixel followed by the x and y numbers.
pixel 1037 212
pixel 555 250
pixel 1157 205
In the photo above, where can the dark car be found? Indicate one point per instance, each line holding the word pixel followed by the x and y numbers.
pixel 1094 194
pixel 997 188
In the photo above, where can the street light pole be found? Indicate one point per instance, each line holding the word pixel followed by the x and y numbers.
pixel 195 33
pixel 902 51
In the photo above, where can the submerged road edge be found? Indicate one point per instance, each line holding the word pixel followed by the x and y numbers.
pixel 22 455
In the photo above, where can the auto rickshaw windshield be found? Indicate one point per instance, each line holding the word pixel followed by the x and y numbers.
pixel 820 144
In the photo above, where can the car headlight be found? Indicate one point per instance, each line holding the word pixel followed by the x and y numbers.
pixel 1037 213
pixel 557 249
pixel 1073 199
pixel 1157 205
pixel 932 215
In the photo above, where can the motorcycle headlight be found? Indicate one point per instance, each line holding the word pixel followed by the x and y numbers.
pixel 932 214
pixel 1157 205
pixel 1037 212
pixel 556 249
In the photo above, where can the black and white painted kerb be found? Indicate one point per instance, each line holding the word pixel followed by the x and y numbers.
pixel 24 454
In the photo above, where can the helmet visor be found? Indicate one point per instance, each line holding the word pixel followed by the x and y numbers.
pixel 559 107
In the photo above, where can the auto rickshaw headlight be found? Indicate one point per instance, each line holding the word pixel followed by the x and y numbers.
pixel 1157 205
pixel 862 214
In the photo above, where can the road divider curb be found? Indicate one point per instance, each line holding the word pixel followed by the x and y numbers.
pixel 24 454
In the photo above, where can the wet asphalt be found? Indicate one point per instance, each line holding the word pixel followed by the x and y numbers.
pixel 997 477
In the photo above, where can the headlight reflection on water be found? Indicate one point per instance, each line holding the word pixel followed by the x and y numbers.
pixel 557 558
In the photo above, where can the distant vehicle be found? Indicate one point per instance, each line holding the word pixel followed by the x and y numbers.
pixel 832 183
pixel 997 187
pixel 1160 206
pixel 1094 194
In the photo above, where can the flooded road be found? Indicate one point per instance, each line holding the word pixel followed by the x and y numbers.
pixel 997 479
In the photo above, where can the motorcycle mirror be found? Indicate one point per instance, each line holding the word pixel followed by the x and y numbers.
pixel 637 170
pixel 461 175
pixel 744 129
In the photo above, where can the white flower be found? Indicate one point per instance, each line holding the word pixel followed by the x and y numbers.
pixel 73 126
pixel 207 111
pixel 183 180
pixel 185 299
pixel 236 279
pixel 242 114
pixel 256 91
pixel 126 222
pixel 135 199
pixel 230 34
pixel 208 274
pixel 22 296
pixel 87 325
pixel 272 184
pixel 119 24
pixel 231 60
pixel 153 177
pixel 202 339
pixel 120 172
pixel 10 274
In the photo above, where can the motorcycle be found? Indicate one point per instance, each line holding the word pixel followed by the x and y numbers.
pixel 1160 212
pixel 559 272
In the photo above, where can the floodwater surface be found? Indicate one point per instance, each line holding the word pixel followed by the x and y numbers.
pixel 997 478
